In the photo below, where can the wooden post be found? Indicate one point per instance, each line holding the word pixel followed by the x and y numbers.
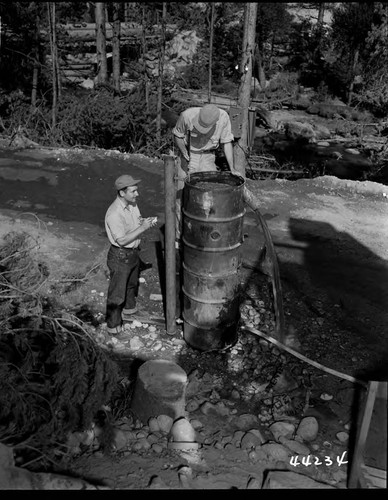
pixel 169 243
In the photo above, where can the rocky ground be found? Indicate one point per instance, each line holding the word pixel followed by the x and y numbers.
pixel 257 409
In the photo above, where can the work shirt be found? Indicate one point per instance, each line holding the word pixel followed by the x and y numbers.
pixel 121 219
pixel 220 133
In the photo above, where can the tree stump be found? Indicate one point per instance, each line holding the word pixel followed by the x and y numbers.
pixel 160 389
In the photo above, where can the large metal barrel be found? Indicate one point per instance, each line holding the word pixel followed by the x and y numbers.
pixel 212 233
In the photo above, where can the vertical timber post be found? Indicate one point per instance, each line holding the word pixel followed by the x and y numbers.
pixel 169 243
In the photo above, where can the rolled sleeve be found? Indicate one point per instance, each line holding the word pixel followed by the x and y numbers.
pixel 180 127
pixel 226 130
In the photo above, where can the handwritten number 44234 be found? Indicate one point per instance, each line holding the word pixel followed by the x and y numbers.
pixel 308 460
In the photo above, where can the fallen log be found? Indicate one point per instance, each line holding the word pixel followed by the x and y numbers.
pixel 276 171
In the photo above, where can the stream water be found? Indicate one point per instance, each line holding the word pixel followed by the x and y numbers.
pixel 333 159
pixel 74 189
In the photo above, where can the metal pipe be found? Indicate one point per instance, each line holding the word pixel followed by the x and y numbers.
pixel 169 243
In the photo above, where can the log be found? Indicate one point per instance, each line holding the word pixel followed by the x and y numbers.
pixel 160 389
pixel 276 171
pixel 76 74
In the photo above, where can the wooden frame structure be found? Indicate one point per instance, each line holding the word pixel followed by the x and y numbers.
pixel 361 475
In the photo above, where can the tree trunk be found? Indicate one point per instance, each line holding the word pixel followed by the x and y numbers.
pixel 57 67
pixel 321 13
pixel 244 92
pixel 270 62
pixel 102 75
pixel 116 46
pixel 354 68
pixel 126 11
pixel 162 46
pixel 35 74
pixel 54 65
pixel 211 51
pixel 260 67
pixel 144 52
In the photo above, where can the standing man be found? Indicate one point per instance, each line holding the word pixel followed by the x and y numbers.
pixel 124 225
pixel 197 134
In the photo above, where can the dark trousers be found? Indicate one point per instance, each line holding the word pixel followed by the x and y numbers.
pixel 123 265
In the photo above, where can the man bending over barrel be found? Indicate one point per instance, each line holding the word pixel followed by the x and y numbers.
pixel 197 134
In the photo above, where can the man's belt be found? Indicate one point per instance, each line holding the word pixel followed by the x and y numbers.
pixel 212 152
pixel 125 248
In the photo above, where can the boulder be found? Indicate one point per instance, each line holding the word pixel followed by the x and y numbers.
pixel 237 436
pixel 251 440
pixel 321 132
pixel 282 429
pixel 264 117
pixel 182 431
pixel 119 439
pixel 298 131
pixel 308 429
pixel 165 423
pixel 300 102
pixel 328 110
pixel 276 452
pixel 342 436
pixel 313 109
pixel 254 483
pixel 247 421
pixel 295 446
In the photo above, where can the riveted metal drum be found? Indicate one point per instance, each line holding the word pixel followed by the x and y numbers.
pixel 212 234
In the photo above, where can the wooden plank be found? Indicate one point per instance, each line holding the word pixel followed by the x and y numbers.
pixel 373 471
pixel 374 478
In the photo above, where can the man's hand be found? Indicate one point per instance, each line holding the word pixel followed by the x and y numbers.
pixel 185 154
pixel 147 222
pixel 237 173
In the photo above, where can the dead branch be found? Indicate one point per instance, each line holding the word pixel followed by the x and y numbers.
pixel 36 217
pixel 80 280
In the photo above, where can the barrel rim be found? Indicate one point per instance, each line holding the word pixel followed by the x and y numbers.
pixel 201 176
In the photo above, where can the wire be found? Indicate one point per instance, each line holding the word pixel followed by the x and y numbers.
pixel 303 358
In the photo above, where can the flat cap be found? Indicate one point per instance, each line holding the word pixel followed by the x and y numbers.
pixel 125 181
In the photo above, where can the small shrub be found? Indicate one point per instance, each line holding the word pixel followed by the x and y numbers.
pixel 54 377
pixel 322 93
pixel 226 87
pixel 287 82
